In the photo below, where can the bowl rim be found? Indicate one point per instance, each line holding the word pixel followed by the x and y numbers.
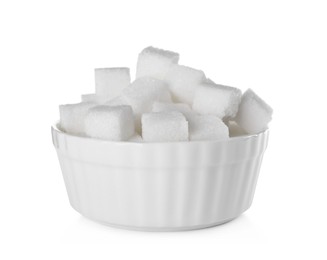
pixel 55 127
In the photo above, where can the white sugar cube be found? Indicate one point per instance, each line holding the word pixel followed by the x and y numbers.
pixel 110 123
pixel 183 81
pixel 254 114
pixel 93 98
pixel 170 107
pixel 164 127
pixel 217 100
pixel 207 128
pixel 235 129
pixel 72 117
pixel 109 82
pixel 121 101
pixel 136 139
pixel 155 63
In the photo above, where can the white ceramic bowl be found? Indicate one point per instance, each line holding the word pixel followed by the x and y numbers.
pixel 160 186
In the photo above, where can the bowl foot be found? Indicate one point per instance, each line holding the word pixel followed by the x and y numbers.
pixel 165 229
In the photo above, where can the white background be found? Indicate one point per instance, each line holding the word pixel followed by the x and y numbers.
pixel 48 50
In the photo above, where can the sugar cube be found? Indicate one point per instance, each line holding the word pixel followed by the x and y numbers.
pixel 109 82
pixel 155 63
pixel 183 81
pixel 254 114
pixel 72 117
pixel 218 100
pixel 235 129
pixel 207 127
pixel 121 101
pixel 110 123
pixel 164 127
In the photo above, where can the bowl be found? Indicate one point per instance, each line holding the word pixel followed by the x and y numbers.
pixel 160 186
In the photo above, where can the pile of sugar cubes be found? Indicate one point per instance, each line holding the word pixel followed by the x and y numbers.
pixel 167 102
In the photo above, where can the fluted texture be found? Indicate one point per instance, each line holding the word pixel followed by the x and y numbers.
pixel 160 186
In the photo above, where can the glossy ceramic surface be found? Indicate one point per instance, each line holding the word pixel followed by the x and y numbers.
pixel 160 186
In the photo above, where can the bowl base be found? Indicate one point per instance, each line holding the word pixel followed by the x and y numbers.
pixel 164 229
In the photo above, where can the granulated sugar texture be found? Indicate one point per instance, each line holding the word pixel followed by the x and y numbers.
pixel 166 102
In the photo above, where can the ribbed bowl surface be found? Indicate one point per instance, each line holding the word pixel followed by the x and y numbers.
pixel 160 186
